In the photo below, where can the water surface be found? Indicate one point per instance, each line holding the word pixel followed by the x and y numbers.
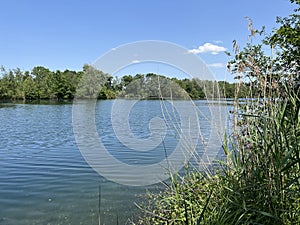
pixel 44 178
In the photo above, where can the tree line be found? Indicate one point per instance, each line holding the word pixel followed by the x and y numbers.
pixel 43 84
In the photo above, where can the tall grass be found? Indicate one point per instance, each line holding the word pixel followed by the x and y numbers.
pixel 262 174
pixel 259 182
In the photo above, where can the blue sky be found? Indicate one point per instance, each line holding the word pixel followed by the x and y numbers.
pixel 65 34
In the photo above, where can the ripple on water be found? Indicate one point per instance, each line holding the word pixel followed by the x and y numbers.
pixel 44 178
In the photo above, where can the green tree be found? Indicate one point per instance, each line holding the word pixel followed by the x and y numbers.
pixel 91 83
pixel 42 77
pixel 287 39
pixel 29 89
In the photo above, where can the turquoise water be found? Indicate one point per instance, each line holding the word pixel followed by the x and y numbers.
pixel 44 178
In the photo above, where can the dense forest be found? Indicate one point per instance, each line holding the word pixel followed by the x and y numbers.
pixel 43 84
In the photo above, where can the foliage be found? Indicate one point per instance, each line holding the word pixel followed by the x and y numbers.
pixel 287 39
pixel 184 200
pixel 41 83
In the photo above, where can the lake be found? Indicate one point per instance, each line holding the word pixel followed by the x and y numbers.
pixel 45 177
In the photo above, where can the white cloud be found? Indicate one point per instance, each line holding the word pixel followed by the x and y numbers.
pixel 208 48
pixel 216 65
pixel 135 61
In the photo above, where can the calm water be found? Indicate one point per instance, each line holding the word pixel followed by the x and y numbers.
pixel 44 178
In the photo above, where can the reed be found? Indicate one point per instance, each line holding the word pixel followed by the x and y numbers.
pixel 259 181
